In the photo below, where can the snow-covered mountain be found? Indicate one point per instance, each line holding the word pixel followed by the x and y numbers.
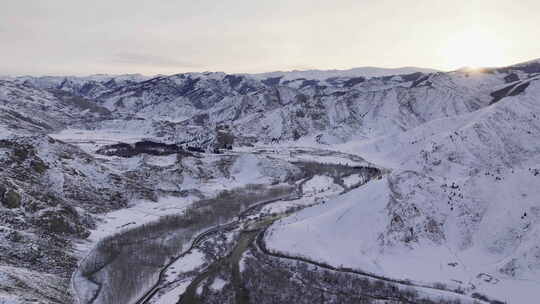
pixel 29 110
pixel 189 107
pixel 86 86
pixel 456 205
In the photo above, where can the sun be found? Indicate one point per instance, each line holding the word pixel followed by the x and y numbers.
pixel 473 48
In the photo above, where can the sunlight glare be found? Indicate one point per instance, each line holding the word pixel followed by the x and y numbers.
pixel 474 48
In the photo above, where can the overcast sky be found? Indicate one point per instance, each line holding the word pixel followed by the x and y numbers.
pixel 75 37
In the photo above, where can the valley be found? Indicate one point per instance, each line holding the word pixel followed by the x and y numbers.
pixel 218 188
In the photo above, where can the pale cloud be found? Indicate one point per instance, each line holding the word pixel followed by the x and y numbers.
pixel 150 60
pixel 166 36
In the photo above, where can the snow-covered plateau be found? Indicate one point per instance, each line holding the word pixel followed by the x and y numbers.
pixel 359 186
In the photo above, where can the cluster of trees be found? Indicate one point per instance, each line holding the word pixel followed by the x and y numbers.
pixel 128 263
pixel 142 147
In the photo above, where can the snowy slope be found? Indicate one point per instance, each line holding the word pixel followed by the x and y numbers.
pixel 459 207
pixel 29 110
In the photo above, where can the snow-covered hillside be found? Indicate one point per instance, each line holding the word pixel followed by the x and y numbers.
pixel 29 110
pixel 460 206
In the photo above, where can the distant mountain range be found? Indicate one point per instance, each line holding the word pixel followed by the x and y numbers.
pixel 367 72
pixel 295 74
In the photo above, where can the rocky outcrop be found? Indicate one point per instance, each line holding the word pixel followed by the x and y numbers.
pixel 11 199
